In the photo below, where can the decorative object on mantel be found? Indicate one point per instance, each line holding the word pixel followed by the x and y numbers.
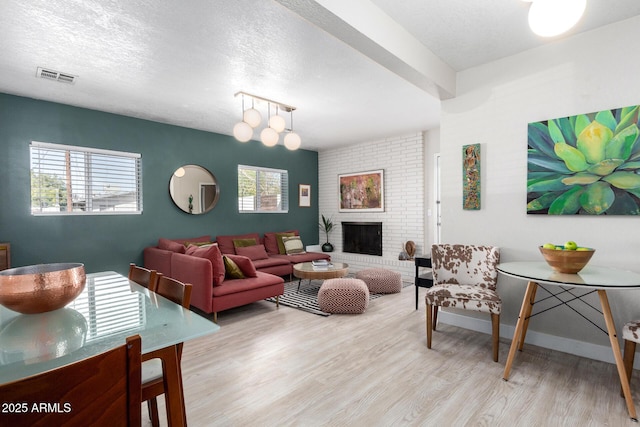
pixel 403 256
pixel 362 191
pixel 410 247
pixel 587 164
pixel 326 226
pixel 42 287
pixel 471 177
pixel 251 118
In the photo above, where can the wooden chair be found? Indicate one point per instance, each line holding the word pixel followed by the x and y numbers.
pixel 144 277
pixel 102 390
pixel 464 277
pixel 152 372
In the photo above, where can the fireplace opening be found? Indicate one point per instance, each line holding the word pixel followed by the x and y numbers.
pixel 362 238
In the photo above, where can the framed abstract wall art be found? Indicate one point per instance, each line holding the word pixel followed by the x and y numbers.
pixel 362 192
pixel 471 177
pixel 304 195
pixel 587 164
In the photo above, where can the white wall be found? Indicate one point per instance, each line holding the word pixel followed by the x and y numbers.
pixel 402 159
pixel 589 72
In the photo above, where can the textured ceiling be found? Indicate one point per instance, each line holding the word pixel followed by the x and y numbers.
pixel 350 76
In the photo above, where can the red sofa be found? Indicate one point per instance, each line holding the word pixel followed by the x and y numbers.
pixel 211 293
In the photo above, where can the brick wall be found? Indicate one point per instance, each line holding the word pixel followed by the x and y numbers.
pixel 402 159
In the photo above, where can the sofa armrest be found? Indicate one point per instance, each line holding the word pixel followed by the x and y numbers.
pixel 158 259
pixel 198 272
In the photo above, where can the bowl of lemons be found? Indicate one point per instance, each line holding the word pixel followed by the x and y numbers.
pixel 569 258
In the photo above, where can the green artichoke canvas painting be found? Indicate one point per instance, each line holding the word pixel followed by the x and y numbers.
pixel 587 164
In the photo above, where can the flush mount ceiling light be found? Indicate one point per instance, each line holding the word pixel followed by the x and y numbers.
pixel 549 18
pixel 276 124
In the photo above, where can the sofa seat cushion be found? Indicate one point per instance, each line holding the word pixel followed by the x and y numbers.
pixel 305 257
pixel 226 242
pixel 247 284
pixel 270 262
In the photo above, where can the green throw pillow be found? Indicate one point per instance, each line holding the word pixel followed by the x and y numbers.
pixel 279 236
pixel 232 271
pixel 243 243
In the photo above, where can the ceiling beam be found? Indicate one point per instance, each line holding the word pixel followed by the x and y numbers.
pixel 365 27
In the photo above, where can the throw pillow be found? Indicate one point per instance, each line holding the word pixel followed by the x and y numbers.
pixel 187 244
pixel 254 252
pixel 243 243
pixel 293 245
pixel 245 264
pixel 231 268
pixel 170 245
pixel 212 253
pixel 279 236
pixel 271 243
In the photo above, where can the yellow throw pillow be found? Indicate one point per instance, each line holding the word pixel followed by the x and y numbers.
pixel 243 243
pixel 232 271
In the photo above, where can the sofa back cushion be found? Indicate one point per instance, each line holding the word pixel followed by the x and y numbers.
pixel 226 242
pixel 212 253
pixel 170 245
pixel 273 241
pixel 254 252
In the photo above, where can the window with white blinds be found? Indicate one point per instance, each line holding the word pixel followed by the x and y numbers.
pixel 70 180
pixel 262 190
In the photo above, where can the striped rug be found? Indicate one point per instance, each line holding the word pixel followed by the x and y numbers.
pixel 307 298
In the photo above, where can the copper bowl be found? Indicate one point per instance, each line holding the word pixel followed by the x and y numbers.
pixel 570 262
pixel 41 288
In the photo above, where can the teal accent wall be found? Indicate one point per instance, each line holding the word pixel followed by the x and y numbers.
pixel 111 242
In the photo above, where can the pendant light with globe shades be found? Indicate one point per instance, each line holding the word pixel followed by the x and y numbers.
pixel 276 124
pixel 550 18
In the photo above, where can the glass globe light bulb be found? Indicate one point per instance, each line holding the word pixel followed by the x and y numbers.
pixel 277 123
pixel 242 131
pixel 252 117
pixel 292 141
pixel 269 137
pixel 549 18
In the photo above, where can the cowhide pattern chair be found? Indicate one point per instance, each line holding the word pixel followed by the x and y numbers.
pixel 464 277
pixel 631 336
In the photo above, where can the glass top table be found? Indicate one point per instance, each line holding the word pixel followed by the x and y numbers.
pixel 108 310
pixel 591 279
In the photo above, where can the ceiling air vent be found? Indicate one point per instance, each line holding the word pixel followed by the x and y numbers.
pixel 55 75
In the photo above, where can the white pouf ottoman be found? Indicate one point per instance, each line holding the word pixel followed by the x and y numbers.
pixel 381 281
pixel 343 296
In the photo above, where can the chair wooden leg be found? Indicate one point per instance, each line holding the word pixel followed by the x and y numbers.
pixel 435 316
pixel 629 354
pixel 416 296
pixel 152 406
pixel 495 326
pixel 429 328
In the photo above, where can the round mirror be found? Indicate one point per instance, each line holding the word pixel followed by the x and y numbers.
pixel 194 189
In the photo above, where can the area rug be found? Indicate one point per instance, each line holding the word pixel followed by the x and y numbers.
pixel 307 298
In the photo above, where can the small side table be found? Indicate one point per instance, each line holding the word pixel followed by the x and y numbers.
pixel 5 256
pixel 425 279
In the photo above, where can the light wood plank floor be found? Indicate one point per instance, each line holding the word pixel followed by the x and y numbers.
pixel 285 367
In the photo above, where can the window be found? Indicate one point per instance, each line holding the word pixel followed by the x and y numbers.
pixel 67 180
pixel 263 190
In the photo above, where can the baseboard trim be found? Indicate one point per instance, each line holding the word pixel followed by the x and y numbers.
pixel 566 345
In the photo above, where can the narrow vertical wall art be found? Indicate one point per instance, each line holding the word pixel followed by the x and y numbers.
pixel 471 177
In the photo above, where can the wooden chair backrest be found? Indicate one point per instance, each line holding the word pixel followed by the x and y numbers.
pixel 143 276
pixel 176 291
pixel 102 390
